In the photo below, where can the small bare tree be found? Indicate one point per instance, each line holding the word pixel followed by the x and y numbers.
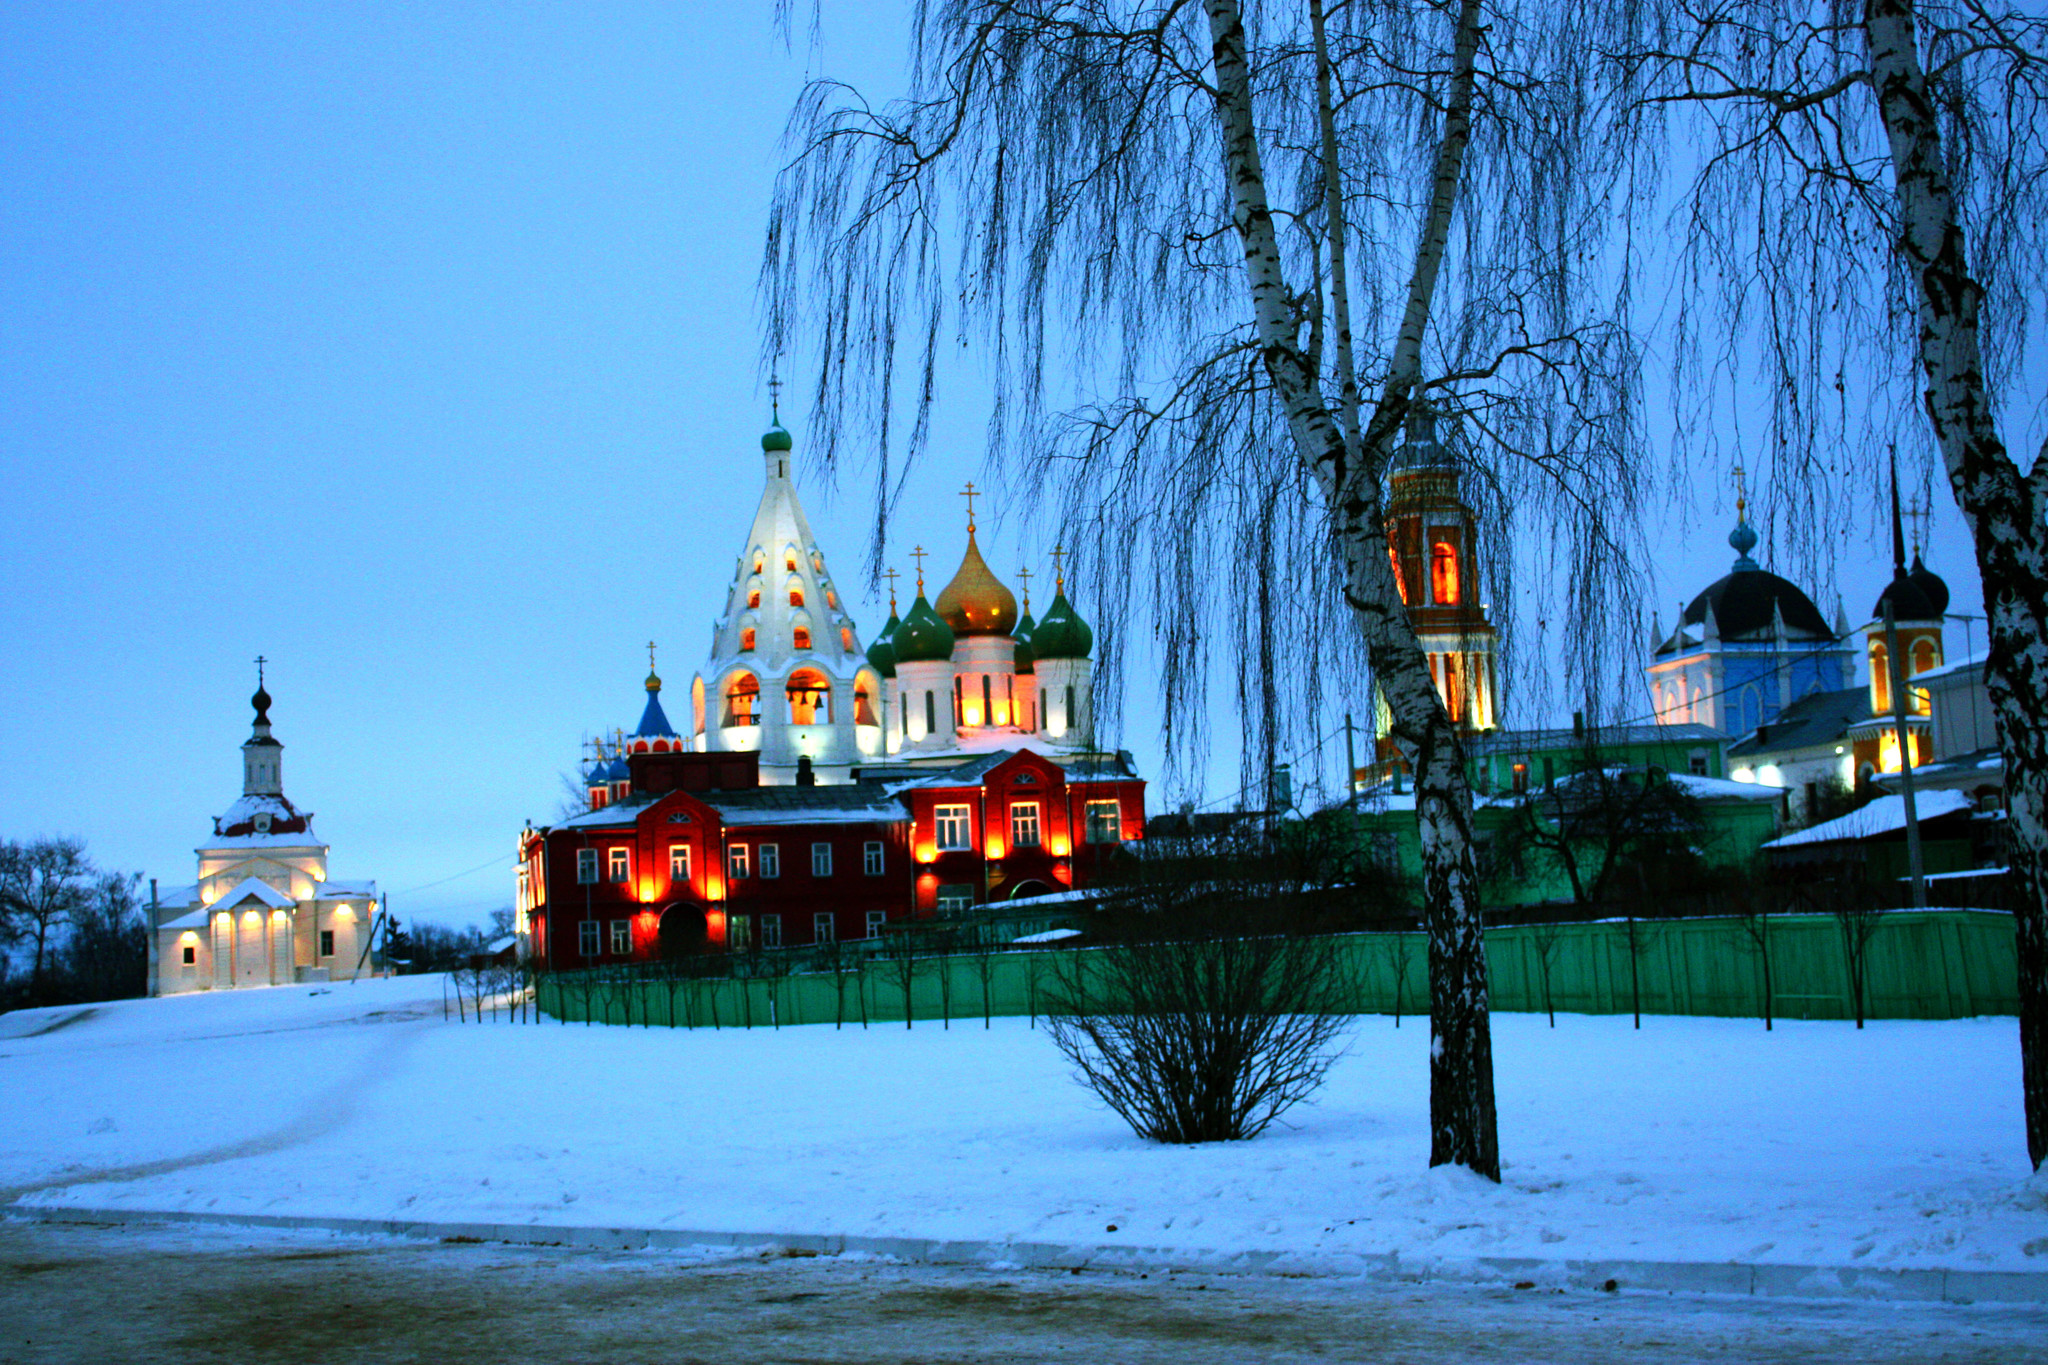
pixel 1546 939
pixel 1752 907
pixel 43 884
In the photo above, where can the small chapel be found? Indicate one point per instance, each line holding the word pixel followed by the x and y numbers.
pixel 263 911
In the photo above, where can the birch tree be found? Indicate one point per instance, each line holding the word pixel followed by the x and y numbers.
pixel 1869 207
pixel 1213 254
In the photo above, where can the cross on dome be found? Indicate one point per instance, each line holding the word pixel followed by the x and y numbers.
pixel 892 576
pixel 1024 577
pixel 970 494
pixel 918 554
pixel 1059 573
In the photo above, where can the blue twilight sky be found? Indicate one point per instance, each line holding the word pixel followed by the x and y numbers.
pixel 415 348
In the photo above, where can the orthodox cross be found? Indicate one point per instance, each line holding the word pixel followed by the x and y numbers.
pixel 1059 573
pixel 892 576
pixel 1741 498
pixel 970 495
pixel 260 661
pixel 918 554
pixel 1024 577
pixel 775 396
pixel 1918 513
pixel 650 656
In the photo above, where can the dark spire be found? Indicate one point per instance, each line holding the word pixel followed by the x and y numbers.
pixel 261 701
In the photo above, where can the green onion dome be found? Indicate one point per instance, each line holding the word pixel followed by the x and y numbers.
pixel 775 439
pixel 882 654
pixel 923 637
pixel 1062 634
pixel 1027 661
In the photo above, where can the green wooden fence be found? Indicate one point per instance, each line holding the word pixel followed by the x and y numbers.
pixel 1932 964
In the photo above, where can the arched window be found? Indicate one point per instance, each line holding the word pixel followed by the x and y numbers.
pixel 1443 573
pixel 810 698
pixel 697 704
pixel 863 705
pixel 760 561
pixel 801 636
pixel 1880 678
pixel 1925 658
pixel 831 599
pixel 789 559
pixel 796 593
pixel 746 639
pixel 754 593
pixel 846 638
pixel 1400 579
pixel 743 700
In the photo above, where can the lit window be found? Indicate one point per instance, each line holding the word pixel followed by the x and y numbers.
pixel 846 643
pixel 622 937
pixel 796 595
pixel 621 864
pixel 679 864
pixel 954 830
pixel 736 863
pixel 1443 573
pixel 863 703
pixel 1024 824
pixel 956 898
pixel 771 931
pixel 1521 783
pixel 810 696
pixel 871 858
pixel 586 866
pixel 802 635
pixel 747 639
pixel 789 560
pixel 821 860
pixel 877 919
pixel 739 933
pixel 754 599
pixel 742 697
pixel 587 938
pixel 771 860
pixel 823 930
pixel 1105 822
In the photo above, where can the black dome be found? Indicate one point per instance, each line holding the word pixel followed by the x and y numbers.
pixel 1930 584
pixel 1743 605
pixel 1909 600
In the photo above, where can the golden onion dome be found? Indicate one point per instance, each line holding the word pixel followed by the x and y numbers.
pixel 974 603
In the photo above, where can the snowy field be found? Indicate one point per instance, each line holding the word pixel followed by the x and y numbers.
pixel 1694 1139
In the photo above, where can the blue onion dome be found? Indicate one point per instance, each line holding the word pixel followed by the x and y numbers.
pixel 1742 540
pixel 882 653
pixel 923 637
pixel 1062 634
pixel 1027 658
pixel 1930 584
pixel 775 439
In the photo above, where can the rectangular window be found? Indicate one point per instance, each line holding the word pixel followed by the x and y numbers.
pixel 871 858
pixel 823 930
pixel 1696 763
pixel 622 864
pixel 679 864
pixel 739 934
pixel 1105 822
pixel 771 931
pixel 876 919
pixel 1023 824
pixel 191 955
pixel 736 862
pixel 327 943
pixel 954 828
pixel 586 866
pixel 821 860
pixel 1521 778
pixel 586 938
pixel 771 860
pixel 622 937
pixel 956 898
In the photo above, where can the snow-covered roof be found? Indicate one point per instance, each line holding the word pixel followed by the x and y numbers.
pixel 191 919
pixel 1048 936
pixel 1883 816
pixel 1708 788
pixel 351 890
pixel 170 897
pixel 1951 668
pixel 251 887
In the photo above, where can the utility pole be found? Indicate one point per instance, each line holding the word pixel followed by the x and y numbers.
pixel 1897 668
pixel 1350 768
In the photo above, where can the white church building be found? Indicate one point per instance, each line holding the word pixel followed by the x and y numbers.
pixel 263 912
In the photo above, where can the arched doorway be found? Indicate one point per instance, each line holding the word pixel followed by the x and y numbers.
pixel 680 931
pixel 1027 889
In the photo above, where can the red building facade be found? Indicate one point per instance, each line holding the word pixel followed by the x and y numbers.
pixel 685 856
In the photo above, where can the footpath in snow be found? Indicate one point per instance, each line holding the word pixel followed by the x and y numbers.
pixel 1707 1140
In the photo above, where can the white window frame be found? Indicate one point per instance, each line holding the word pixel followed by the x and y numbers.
pixel 622 938
pixel 769 856
pixel 957 821
pixel 821 860
pixel 1024 821
pixel 824 927
pixel 589 939
pixel 736 863
pixel 877 920
pixel 587 867
pixel 771 931
pixel 679 864
pixel 1089 815
pixel 871 858
pixel 619 866
pixel 738 933
pixel 950 901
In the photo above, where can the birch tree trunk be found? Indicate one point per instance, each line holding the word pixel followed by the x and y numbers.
pixel 2004 507
pixel 1462 1116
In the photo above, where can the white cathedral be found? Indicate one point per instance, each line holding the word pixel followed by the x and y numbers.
pixel 263 912
pixel 787 678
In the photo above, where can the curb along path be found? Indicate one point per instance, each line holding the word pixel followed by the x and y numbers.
pixel 1681 1277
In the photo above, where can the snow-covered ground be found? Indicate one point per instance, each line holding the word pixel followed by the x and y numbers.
pixel 1694 1139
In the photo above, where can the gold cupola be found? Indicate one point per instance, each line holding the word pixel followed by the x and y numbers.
pixel 975 602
